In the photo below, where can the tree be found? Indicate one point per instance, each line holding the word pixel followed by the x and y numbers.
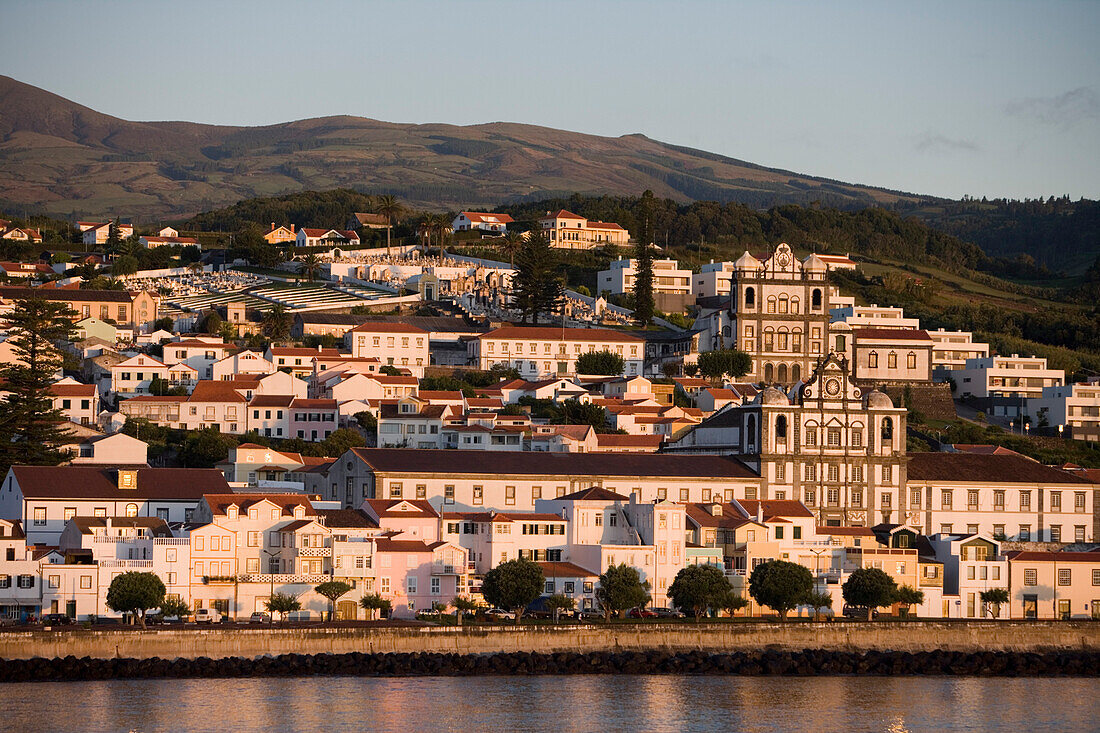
pixel 780 585
pixel 311 266
pixel 332 590
pixel 818 600
pixel 206 447
pixel 604 363
pixel 114 236
pixel 124 265
pixel 512 585
pixel 341 441
pixel 643 268
pixel 30 427
pixel 389 370
pixel 994 598
pixel 164 324
pixel 715 364
pixel 731 601
pixel 276 324
pixel 620 589
pixel 559 602
pixel 372 602
pixel 510 244
pixel 282 604
pixel 389 207
pixel 134 592
pixel 174 607
pixel 697 588
pixel 869 588
pixel 907 596
pixel 462 604
pixel 536 282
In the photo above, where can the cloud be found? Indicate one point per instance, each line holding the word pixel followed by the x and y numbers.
pixel 938 144
pixel 1069 108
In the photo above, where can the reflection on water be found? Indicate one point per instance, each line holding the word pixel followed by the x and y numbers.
pixel 577 703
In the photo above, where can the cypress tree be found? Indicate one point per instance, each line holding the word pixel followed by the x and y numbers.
pixel 643 274
pixel 30 427
pixel 536 285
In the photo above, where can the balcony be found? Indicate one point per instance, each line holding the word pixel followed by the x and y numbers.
pixel 177 541
pixel 282 578
pixel 314 552
pixel 126 564
pixel 219 579
pixel 439 568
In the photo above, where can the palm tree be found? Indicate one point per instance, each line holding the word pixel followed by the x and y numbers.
pixel 389 207
pixel 432 223
pixel 510 243
pixel 443 226
pixel 311 265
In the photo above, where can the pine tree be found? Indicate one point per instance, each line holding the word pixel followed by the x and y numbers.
pixel 643 271
pixel 30 427
pixel 536 284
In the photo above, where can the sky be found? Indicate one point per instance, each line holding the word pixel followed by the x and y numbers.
pixel 995 98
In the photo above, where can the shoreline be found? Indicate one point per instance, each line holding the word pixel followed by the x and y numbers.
pixel 768 662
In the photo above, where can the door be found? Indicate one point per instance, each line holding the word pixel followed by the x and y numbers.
pixel 1031 607
pixel 1063 609
pixel 346 611
pixel 70 609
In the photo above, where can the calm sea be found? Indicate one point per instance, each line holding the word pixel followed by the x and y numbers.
pixel 576 703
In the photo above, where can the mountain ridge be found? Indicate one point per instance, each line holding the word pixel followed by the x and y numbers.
pixel 65 159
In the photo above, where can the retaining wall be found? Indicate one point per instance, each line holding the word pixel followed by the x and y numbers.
pixel 218 643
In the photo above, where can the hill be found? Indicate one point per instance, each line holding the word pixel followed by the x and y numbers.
pixel 64 159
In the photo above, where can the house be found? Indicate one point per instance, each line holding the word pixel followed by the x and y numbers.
pixel 951 349
pixel 569 231
pixel 242 363
pixel 117 449
pixel 892 355
pixel 44 498
pixel 269 415
pixel 200 353
pixel 1072 407
pixel 22 234
pixel 280 234
pixel 394 344
pixel 96 233
pixel 326 238
pixel 24 269
pixel 367 221
pixel 215 404
pixel 168 236
pixel 412 423
pixel 95 328
pixel 297 360
pixel 496 224
pixel 668 277
pixel 78 402
pixel 312 419
pixel 135 375
pixel 1000 385
pixel 1053 585
pixel 539 352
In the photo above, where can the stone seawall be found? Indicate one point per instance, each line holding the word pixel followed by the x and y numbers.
pixel 218 643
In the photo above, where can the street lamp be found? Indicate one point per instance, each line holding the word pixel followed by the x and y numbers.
pixel 271 556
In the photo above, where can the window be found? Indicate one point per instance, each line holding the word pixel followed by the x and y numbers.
pixel 778 533
pixel 395 490
pixel 449 494
pixel 1056 501
pixel 971 500
pixel 1025 532
pixel 478 493
pixel 998 501
pixel 1096 577
pixel 872 360
pixel 132 510
pixel 891 360
pixel 435 587
pixel 85 582
pixel 510 495
pixel 1025 501
pixel 26 581
pixel 833 436
pixel 1031 576
pixel 945 500
pixel 1065 576
pixel 809 472
pixel 834 472
pixel 1079 501
pixel 1079 533
pixel 40 516
pixel 911 360
pixel 1055 533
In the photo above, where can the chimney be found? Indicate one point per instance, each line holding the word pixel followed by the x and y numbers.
pixel 292 228
pixel 272 226
pixel 760 510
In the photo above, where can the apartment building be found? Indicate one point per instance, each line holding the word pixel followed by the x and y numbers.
pixel 540 352
pixel 1072 409
pixel 874 316
pixel 1000 496
pixel 1005 376
pixel 951 349
pixel 1053 585
pixel 130 309
pixel 668 277
pixel 464 480
pixel 395 344
pixel 566 230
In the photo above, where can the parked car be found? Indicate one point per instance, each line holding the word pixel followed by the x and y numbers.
pixel 106 621
pixel 858 612
pixel 259 617
pixel 209 616
pixel 499 614
pixel 641 613
pixel 538 609
pixel 57 619
pixel 667 612
pixel 302 616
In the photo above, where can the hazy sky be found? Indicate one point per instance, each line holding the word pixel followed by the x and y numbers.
pixel 991 98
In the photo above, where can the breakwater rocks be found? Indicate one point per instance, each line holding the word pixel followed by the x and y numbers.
pixel 766 662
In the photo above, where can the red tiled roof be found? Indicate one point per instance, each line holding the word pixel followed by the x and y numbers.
pixel 613 440
pixel 552 569
pixel 92 482
pixel 384 507
pixel 1035 556
pixel 776 507
pixel 978 468
pixel 893 334
pixel 208 390
pixel 388 545
pixel 387 327
pixel 219 502
pixel 316 404
pixel 271 400
pixel 477 216
pixel 561 214
pixel 604 225
pixel 72 390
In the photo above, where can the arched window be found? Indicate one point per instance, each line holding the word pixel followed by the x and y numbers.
pixel 781 374
pixel 131 510
pixel 887 429
pixel 750 297
pixel 784 340
pixel 794 304
pixel 771 304
pixel 750 432
pixel 796 372
pixel 872 360
pixel 815 299
pixel 911 360
pixel 892 360
pixel 781 427
pixel 783 303
pixel 796 340
pixel 769 373
pixel 726 331
pixel 841 344
pixel 769 339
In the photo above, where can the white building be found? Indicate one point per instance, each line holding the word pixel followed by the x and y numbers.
pixel 539 352
pixel 1072 406
pixel 1006 376
pixel 135 375
pixel 668 277
pixel 566 230
pixel 492 223
pixel 951 349
pixel 395 344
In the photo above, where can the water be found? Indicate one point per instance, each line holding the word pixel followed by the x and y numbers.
pixel 575 703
